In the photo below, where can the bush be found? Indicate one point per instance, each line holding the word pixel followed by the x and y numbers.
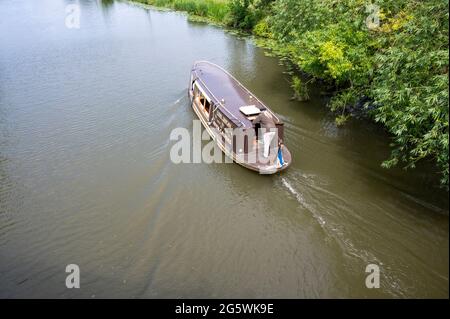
pixel 262 29
pixel 240 15
pixel 401 65
pixel 300 89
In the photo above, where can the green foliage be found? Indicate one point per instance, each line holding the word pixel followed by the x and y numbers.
pixel 336 49
pixel 341 119
pixel 213 10
pixel 188 6
pixel 343 99
pixel 402 65
pixel 262 29
pixel 300 89
pixel 248 15
pixel 241 15
pixel 410 84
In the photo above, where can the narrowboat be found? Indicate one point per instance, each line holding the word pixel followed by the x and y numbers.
pixel 243 127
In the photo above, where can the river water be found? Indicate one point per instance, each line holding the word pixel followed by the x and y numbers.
pixel 86 177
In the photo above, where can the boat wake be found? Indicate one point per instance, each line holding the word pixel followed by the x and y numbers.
pixel 178 100
pixel 302 201
pixel 392 283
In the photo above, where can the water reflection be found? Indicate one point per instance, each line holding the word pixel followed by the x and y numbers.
pixel 107 7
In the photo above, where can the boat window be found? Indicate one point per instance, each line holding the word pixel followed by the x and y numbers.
pixel 207 106
pixel 196 91
pixel 202 99
pixel 204 102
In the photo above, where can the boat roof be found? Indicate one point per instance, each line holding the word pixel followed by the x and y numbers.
pixel 227 92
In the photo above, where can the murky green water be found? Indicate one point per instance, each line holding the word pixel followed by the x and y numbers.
pixel 86 178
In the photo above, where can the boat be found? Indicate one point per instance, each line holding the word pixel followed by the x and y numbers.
pixel 243 127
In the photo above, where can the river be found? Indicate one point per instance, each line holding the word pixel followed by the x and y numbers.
pixel 86 176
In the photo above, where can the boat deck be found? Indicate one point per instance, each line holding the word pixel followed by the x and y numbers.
pixel 253 159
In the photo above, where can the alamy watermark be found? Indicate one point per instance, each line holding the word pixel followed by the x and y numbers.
pixel 373 277
pixel 73 13
pixel 73 279
pixel 373 19
pixel 249 146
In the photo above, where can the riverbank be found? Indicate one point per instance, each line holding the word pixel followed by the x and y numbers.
pixel 388 63
pixel 211 11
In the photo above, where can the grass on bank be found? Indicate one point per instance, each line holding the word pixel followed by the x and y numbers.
pixel 214 10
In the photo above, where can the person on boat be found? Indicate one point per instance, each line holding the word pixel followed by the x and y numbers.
pixel 265 122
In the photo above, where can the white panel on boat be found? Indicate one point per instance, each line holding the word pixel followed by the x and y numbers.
pixel 250 110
